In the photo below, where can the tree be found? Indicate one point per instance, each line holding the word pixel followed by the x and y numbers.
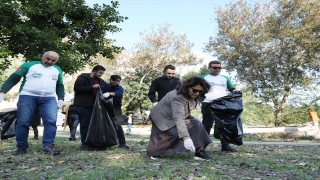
pixel 71 28
pixel 135 96
pixel 158 48
pixel 273 47
pixel 202 70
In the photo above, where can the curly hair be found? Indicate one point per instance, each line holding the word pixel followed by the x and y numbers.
pixel 191 82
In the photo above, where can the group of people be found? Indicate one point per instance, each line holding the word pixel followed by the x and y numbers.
pixel 174 129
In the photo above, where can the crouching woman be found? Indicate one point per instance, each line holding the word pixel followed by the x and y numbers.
pixel 174 130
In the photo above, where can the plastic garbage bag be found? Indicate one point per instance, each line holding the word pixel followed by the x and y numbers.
pixel 102 129
pixel 226 111
pixel 8 122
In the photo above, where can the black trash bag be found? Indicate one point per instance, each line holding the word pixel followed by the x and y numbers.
pixel 8 121
pixel 102 129
pixel 226 111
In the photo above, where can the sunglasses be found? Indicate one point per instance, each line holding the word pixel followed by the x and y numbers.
pixel 196 90
pixel 215 68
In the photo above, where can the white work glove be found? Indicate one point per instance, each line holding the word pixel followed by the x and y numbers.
pixel 2 96
pixel 106 95
pixel 60 103
pixel 155 103
pixel 188 144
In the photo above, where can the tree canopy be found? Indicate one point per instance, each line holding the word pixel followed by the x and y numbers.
pixel 157 49
pixel 273 47
pixel 71 28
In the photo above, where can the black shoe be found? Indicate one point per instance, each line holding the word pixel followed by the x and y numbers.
pixel 50 150
pixel 84 147
pixel 202 155
pixel 72 139
pixel 20 151
pixel 228 149
pixel 35 138
pixel 123 146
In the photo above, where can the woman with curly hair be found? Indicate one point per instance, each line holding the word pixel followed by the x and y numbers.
pixel 174 130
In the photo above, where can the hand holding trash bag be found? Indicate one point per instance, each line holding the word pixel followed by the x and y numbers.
pixel 106 95
pixel 102 129
pixel 227 113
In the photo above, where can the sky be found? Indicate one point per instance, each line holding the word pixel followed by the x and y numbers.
pixel 193 18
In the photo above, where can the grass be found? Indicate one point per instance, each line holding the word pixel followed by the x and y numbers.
pixel 279 137
pixel 252 162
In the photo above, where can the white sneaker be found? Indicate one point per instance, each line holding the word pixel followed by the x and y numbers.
pixel 155 157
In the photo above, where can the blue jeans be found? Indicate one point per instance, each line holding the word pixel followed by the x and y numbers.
pixel 27 106
pixel 84 114
pixel 129 127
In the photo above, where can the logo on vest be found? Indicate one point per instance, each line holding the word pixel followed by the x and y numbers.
pixel 36 74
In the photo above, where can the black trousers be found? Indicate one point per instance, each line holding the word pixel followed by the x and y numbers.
pixel 207 121
pixel 120 133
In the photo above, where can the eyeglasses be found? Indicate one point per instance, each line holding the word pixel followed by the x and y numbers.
pixel 196 90
pixel 215 68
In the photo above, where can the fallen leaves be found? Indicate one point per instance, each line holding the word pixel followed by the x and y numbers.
pixel 61 162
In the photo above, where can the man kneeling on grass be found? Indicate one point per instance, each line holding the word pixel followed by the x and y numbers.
pixel 173 128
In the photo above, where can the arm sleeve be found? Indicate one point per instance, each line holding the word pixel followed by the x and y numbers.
pixel 60 91
pixel 152 92
pixel 230 87
pixel 60 86
pixel 10 82
pixel 178 114
pixel 119 91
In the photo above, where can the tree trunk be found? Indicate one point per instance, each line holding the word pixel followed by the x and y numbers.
pixel 278 114
pixel 144 121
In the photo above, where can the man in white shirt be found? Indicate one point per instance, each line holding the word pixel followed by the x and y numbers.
pixel 219 85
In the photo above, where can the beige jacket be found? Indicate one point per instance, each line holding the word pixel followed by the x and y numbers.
pixel 172 111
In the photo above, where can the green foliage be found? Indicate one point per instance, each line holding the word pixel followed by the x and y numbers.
pixel 136 93
pixel 189 75
pixel 255 112
pixel 274 48
pixel 71 28
pixel 296 115
pixel 203 70
pixel 5 62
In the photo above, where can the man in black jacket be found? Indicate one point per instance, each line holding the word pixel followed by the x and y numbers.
pixel 163 85
pixel 85 88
